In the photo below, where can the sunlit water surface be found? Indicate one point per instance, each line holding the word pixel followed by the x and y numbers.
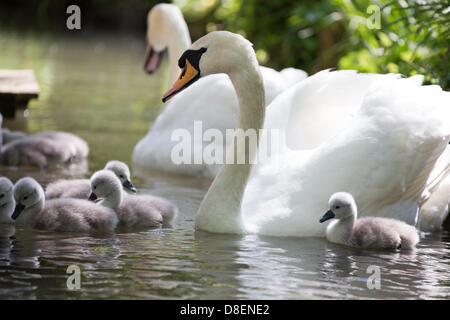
pixel 95 87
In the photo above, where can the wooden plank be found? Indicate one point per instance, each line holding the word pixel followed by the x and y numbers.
pixel 19 82
pixel 17 87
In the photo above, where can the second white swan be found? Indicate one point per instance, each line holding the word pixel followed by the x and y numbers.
pixel 211 100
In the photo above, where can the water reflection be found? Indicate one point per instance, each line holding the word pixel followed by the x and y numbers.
pixel 180 263
pixel 73 170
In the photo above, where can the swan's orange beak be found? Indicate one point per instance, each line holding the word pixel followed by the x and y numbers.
pixel 187 77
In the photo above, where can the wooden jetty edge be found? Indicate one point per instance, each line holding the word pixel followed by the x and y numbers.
pixel 17 87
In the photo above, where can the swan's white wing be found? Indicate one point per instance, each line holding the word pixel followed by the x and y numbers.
pixel 436 209
pixel 436 197
pixel 440 171
pixel 383 156
pixel 292 76
pixel 319 107
pixel 276 82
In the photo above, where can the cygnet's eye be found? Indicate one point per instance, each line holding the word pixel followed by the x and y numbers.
pixel 337 207
pixel 2 195
pixel 25 198
pixel 121 176
pixel 95 187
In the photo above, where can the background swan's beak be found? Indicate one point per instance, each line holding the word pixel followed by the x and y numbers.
pixel 328 215
pixel 152 59
pixel 127 184
pixel 17 211
pixel 92 197
pixel 187 77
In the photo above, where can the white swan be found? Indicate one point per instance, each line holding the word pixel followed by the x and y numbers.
pixel 211 100
pixel 368 232
pixel 7 202
pixel 81 188
pixel 436 207
pixel 137 211
pixel 382 155
pixel 62 215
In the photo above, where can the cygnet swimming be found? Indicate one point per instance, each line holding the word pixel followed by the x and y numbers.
pixel 367 232
pixel 81 188
pixel 80 146
pixel 41 149
pixel 35 151
pixel 62 215
pixel 7 203
pixel 133 210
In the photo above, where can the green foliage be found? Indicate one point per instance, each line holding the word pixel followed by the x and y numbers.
pixel 405 36
pixel 96 15
pixel 283 29
pixel 284 32
pixel 412 37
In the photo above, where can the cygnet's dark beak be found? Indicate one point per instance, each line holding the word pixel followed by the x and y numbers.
pixel 17 211
pixel 327 216
pixel 127 184
pixel 92 197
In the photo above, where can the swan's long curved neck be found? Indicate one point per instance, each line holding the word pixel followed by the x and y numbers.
pixel 220 210
pixel 179 41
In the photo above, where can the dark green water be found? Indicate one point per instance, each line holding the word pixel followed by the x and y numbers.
pixel 95 87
